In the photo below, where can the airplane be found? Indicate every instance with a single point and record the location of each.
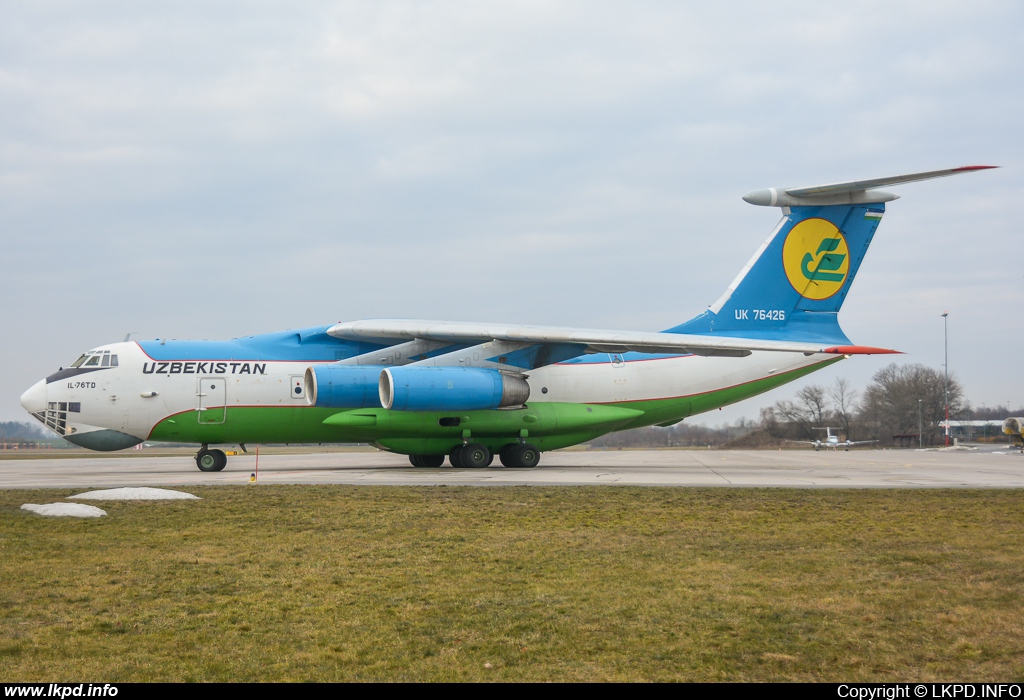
(1014, 427)
(832, 441)
(468, 391)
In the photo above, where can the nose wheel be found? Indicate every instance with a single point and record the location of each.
(211, 460)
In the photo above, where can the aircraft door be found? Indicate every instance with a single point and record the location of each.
(212, 400)
(621, 393)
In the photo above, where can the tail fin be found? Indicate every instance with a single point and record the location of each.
(797, 281)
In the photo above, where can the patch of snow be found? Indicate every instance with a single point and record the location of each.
(72, 510)
(136, 493)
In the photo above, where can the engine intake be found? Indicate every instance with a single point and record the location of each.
(450, 389)
(342, 386)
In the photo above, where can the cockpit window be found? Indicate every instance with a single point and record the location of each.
(96, 358)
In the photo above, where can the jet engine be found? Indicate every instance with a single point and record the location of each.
(343, 386)
(450, 389)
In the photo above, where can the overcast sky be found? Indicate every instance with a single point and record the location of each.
(209, 170)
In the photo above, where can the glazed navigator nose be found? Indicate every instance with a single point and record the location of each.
(34, 400)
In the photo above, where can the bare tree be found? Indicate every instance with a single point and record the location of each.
(844, 404)
(800, 417)
(891, 402)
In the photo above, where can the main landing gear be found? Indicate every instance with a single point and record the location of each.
(471, 456)
(519, 455)
(211, 460)
(426, 460)
(476, 456)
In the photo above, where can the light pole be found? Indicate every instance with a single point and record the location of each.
(920, 426)
(945, 365)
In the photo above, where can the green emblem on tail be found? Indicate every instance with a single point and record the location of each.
(827, 265)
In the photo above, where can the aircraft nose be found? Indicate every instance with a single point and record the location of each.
(34, 400)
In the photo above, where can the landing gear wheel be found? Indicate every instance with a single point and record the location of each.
(520, 456)
(453, 456)
(474, 456)
(431, 461)
(211, 460)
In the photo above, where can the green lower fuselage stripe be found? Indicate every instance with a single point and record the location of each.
(547, 425)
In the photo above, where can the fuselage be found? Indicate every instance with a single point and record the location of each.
(252, 390)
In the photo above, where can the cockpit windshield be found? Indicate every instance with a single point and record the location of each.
(96, 358)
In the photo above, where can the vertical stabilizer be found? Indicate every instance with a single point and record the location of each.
(794, 286)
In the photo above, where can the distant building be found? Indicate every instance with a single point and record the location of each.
(973, 429)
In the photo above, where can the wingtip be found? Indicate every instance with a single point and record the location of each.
(966, 168)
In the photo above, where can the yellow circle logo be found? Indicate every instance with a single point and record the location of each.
(816, 258)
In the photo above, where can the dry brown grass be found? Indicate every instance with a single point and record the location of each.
(336, 583)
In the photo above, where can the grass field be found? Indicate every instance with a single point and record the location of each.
(341, 583)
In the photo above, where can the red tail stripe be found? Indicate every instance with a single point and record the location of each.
(860, 350)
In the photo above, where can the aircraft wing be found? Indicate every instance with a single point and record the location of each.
(391, 331)
(858, 442)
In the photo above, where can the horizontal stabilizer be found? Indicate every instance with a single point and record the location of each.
(853, 192)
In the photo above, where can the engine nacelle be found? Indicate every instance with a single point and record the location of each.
(343, 386)
(1014, 426)
(450, 389)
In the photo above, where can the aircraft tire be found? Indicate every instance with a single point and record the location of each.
(211, 460)
(520, 456)
(428, 461)
(453, 457)
(529, 456)
(414, 460)
(475, 456)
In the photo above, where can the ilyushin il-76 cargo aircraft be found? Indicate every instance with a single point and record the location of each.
(469, 391)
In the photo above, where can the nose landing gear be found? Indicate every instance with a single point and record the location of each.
(211, 460)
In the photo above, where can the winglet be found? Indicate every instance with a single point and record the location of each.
(859, 350)
(853, 192)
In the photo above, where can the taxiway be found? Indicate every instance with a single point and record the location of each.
(788, 468)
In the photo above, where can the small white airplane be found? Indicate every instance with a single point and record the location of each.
(468, 391)
(832, 441)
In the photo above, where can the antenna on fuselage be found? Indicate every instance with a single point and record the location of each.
(128, 336)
